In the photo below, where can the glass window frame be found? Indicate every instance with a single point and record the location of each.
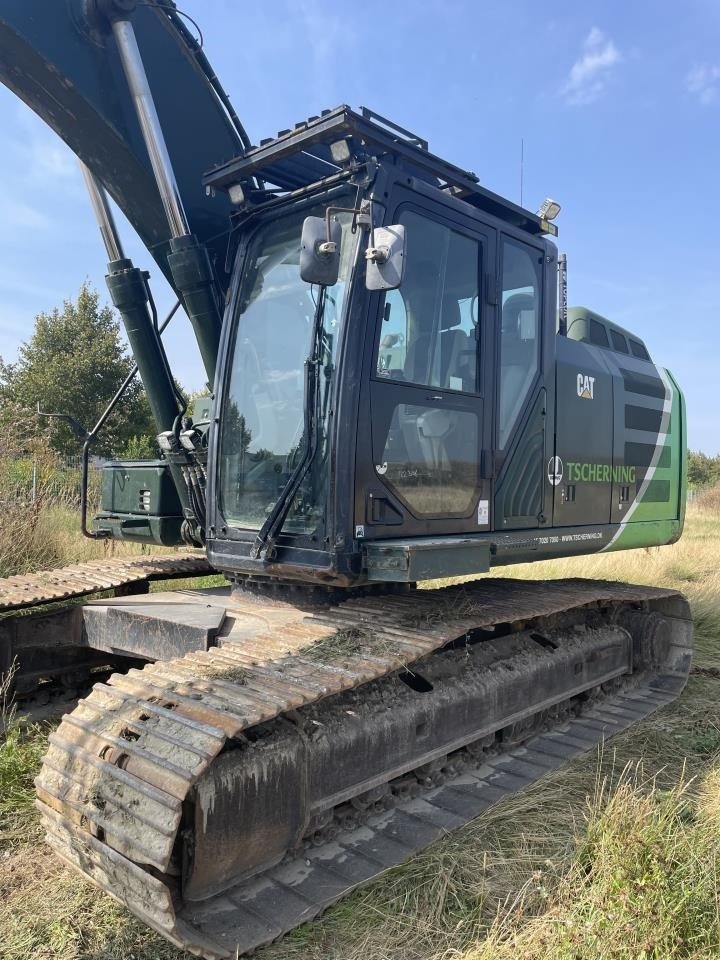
(594, 328)
(638, 350)
(482, 240)
(503, 238)
(398, 491)
(230, 530)
(617, 337)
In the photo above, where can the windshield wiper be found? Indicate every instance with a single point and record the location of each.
(264, 544)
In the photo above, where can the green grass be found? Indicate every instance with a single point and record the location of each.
(615, 856)
(21, 751)
(189, 583)
(641, 883)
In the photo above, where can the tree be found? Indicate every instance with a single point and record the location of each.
(703, 471)
(73, 364)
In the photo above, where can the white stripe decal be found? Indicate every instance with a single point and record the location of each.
(657, 453)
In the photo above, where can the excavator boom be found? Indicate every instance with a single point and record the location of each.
(61, 59)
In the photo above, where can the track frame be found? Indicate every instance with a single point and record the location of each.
(119, 785)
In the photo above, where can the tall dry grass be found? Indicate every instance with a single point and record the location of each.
(46, 534)
(40, 518)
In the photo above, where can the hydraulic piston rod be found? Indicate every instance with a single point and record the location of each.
(134, 69)
(188, 260)
(128, 287)
(103, 215)
(129, 291)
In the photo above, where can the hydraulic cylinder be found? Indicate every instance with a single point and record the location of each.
(128, 289)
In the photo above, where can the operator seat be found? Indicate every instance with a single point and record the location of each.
(457, 369)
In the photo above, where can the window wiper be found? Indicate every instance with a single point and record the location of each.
(264, 544)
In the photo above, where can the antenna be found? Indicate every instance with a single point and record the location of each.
(522, 166)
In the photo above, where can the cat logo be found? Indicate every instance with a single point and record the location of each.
(585, 387)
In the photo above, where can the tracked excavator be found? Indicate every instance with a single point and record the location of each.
(396, 398)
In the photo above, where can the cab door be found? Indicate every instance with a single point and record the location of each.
(427, 420)
(522, 500)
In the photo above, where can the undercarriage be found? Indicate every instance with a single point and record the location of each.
(307, 745)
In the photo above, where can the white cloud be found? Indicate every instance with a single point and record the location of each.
(589, 74)
(703, 80)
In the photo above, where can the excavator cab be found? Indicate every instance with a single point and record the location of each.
(367, 397)
(398, 396)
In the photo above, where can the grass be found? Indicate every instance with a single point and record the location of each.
(634, 887)
(50, 538)
(615, 856)
(345, 643)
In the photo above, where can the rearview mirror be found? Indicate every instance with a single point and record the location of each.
(386, 258)
(320, 254)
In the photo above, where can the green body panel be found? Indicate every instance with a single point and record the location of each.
(646, 533)
(161, 531)
(652, 521)
(140, 503)
(142, 487)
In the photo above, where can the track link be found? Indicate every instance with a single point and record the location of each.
(114, 574)
(122, 788)
(47, 670)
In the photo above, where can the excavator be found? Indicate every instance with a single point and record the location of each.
(399, 395)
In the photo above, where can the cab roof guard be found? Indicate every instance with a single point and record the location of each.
(312, 151)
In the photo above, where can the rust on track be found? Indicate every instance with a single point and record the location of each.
(80, 580)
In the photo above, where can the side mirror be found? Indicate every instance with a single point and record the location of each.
(320, 254)
(386, 258)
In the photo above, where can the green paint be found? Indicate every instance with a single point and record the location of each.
(600, 473)
(656, 523)
(646, 533)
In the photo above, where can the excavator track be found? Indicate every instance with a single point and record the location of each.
(116, 574)
(46, 669)
(231, 794)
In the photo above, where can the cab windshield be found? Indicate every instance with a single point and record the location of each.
(262, 430)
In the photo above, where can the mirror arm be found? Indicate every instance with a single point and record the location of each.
(357, 213)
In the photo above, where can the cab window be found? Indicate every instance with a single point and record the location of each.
(519, 332)
(428, 332)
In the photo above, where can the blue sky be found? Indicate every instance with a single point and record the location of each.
(618, 105)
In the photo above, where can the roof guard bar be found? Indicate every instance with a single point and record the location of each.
(369, 114)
